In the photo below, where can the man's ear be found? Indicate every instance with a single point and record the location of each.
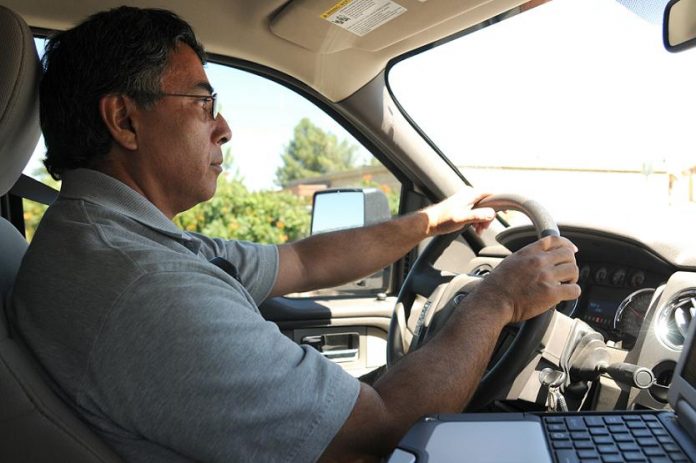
(115, 111)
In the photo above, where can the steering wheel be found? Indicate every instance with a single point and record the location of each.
(436, 294)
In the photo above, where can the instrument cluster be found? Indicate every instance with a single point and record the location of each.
(615, 300)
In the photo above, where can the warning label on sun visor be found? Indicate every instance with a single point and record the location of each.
(362, 16)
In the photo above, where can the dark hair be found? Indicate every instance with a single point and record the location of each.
(120, 51)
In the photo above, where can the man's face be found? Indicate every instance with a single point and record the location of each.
(179, 142)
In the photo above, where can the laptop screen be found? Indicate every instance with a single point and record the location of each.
(689, 371)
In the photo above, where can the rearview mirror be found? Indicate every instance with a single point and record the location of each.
(679, 27)
(336, 209)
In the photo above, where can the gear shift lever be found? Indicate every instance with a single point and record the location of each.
(591, 359)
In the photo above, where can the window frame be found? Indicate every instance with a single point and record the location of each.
(395, 270)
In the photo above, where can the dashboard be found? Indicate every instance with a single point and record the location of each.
(615, 298)
(619, 278)
(638, 293)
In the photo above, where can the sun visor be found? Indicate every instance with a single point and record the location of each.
(330, 26)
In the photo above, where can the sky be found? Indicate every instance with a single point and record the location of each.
(572, 83)
(262, 115)
(579, 83)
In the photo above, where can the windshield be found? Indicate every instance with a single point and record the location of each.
(574, 102)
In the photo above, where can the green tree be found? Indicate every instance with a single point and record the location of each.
(313, 152)
(33, 211)
(233, 213)
(237, 213)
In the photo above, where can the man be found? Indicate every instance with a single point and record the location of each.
(164, 353)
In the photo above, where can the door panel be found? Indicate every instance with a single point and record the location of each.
(349, 331)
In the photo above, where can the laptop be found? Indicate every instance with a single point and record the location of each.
(601, 437)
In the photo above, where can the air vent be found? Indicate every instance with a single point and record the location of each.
(481, 271)
(675, 318)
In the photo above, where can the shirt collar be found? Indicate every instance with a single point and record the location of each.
(102, 189)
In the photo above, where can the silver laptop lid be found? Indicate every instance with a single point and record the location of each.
(682, 392)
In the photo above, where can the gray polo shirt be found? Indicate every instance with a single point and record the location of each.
(162, 352)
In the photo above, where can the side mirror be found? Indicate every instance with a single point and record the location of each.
(340, 208)
(679, 27)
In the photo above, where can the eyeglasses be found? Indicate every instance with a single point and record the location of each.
(212, 99)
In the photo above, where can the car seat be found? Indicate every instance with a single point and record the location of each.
(35, 425)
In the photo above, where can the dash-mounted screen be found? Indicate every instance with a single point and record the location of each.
(689, 371)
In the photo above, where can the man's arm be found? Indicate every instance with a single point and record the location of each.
(335, 258)
(441, 376)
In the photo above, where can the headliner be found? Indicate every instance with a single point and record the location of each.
(290, 36)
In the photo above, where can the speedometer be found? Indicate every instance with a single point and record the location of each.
(630, 315)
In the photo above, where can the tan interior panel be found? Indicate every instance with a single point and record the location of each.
(320, 35)
(347, 62)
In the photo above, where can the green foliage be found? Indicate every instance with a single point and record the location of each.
(33, 211)
(264, 216)
(313, 152)
(234, 212)
(237, 213)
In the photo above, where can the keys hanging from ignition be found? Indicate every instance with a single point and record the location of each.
(553, 380)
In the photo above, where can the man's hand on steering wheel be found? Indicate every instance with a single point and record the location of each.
(442, 375)
(457, 211)
(523, 287)
(534, 279)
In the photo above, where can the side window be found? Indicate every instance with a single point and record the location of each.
(283, 149)
(33, 211)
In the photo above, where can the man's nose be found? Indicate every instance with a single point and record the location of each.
(222, 133)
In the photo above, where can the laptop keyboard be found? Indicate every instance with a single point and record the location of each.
(611, 439)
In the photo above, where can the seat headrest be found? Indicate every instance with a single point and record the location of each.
(20, 72)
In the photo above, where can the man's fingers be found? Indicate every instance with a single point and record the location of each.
(479, 196)
(567, 272)
(481, 214)
(560, 255)
(568, 292)
(552, 242)
(457, 211)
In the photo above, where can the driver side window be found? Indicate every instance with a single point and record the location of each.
(283, 149)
